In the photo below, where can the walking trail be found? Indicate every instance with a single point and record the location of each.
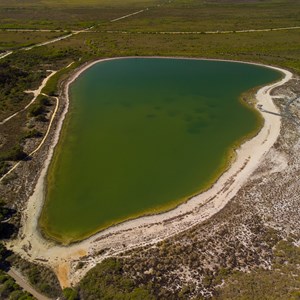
(207, 32)
(22, 282)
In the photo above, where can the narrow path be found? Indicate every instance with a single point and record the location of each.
(127, 16)
(206, 32)
(47, 42)
(49, 127)
(254, 30)
(51, 41)
(41, 143)
(22, 282)
(36, 93)
(5, 54)
(286, 112)
(272, 113)
(33, 30)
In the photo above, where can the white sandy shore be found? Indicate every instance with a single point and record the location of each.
(148, 229)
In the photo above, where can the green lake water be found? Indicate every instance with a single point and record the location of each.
(143, 135)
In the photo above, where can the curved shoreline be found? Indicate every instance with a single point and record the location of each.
(153, 228)
(227, 160)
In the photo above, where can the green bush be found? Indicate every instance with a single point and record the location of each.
(70, 294)
(43, 100)
(41, 118)
(4, 167)
(15, 154)
(31, 134)
(9, 289)
(36, 110)
(20, 295)
(108, 281)
(41, 278)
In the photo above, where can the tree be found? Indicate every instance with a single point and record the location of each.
(70, 294)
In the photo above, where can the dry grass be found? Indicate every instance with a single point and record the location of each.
(10, 40)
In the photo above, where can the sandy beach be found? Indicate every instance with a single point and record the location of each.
(149, 229)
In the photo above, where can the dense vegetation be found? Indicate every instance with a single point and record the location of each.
(43, 279)
(108, 281)
(8, 287)
(24, 70)
(15, 154)
(13, 82)
(10, 290)
(7, 229)
(40, 277)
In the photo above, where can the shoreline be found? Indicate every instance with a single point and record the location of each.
(153, 228)
(227, 161)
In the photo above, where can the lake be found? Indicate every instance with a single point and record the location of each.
(143, 135)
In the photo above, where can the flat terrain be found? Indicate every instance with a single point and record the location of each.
(160, 15)
(210, 16)
(257, 230)
(11, 40)
(65, 14)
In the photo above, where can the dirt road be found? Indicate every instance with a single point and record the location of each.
(21, 281)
